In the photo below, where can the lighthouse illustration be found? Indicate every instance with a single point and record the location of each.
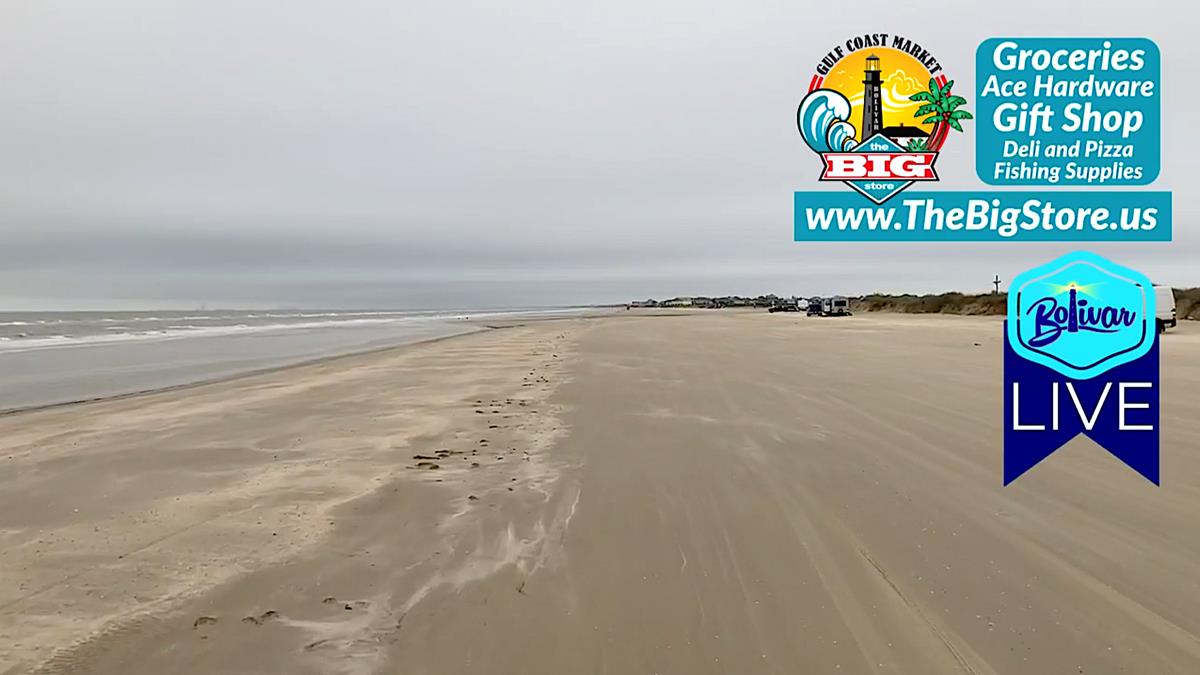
(872, 109)
(1072, 317)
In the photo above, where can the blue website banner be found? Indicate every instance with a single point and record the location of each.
(1068, 111)
(1073, 216)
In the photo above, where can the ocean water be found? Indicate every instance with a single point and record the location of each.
(57, 357)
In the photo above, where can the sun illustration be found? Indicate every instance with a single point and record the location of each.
(1081, 289)
(902, 76)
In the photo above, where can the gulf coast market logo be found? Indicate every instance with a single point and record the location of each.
(878, 111)
(1081, 356)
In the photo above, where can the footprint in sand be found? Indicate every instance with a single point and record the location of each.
(261, 618)
(204, 621)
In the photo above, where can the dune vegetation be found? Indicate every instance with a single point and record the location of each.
(1187, 303)
(941, 303)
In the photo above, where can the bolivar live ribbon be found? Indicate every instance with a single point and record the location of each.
(1081, 356)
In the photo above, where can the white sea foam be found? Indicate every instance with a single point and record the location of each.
(236, 325)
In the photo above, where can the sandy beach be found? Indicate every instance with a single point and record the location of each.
(719, 492)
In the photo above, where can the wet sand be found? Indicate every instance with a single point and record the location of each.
(709, 493)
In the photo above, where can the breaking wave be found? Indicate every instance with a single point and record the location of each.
(86, 330)
(822, 120)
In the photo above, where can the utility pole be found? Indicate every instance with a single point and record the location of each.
(996, 283)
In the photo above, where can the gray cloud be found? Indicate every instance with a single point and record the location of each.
(360, 153)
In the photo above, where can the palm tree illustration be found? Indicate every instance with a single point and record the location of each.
(942, 108)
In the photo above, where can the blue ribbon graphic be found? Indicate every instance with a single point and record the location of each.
(1136, 445)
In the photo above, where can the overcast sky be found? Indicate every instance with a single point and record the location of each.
(156, 153)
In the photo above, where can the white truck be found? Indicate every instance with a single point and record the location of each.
(835, 306)
(1164, 303)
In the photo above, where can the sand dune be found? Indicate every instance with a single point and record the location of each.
(708, 493)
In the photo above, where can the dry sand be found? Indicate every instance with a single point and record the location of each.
(710, 493)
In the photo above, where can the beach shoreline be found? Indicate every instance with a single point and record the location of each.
(183, 386)
(231, 492)
(104, 357)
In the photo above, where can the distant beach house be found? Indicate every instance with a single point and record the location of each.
(677, 302)
(903, 134)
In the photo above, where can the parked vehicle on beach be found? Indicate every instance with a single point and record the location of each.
(835, 306)
(785, 306)
(1164, 303)
(814, 307)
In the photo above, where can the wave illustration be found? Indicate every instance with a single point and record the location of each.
(822, 120)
